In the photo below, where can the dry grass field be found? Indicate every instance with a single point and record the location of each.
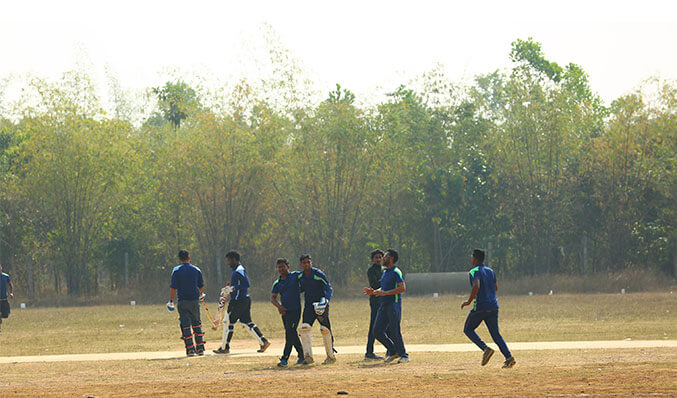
(624, 372)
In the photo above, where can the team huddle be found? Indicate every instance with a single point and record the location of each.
(386, 285)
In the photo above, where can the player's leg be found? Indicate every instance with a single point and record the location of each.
(294, 317)
(305, 328)
(4, 310)
(491, 320)
(471, 323)
(380, 327)
(186, 328)
(227, 333)
(196, 323)
(395, 332)
(254, 330)
(373, 306)
(327, 336)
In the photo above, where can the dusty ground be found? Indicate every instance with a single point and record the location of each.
(636, 372)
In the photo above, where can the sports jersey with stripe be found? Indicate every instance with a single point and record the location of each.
(314, 286)
(486, 297)
(240, 283)
(389, 280)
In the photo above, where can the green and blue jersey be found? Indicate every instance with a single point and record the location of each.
(314, 286)
(389, 280)
(486, 299)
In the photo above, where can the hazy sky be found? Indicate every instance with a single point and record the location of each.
(361, 44)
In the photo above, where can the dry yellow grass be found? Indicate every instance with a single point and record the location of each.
(425, 320)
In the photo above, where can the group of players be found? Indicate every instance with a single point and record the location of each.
(386, 285)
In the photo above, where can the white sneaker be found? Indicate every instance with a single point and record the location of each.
(403, 360)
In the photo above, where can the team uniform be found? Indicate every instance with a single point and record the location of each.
(239, 309)
(5, 280)
(187, 280)
(289, 291)
(374, 274)
(485, 308)
(387, 323)
(316, 291)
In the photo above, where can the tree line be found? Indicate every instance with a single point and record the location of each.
(527, 162)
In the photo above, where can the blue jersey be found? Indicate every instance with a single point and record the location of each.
(314, 286)
(187, 280)
(486, 297)
(240, 283)
(389, 280)
(4, 281)
(289, 291)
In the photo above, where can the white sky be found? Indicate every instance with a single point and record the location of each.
(364, 45)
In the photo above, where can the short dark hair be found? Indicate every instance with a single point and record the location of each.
(478, 254)
(183, 255)
(282, 260)
(305, 256)
(394, 254)
(233, 254)
(375, 252)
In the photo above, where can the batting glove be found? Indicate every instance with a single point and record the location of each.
(170, 305)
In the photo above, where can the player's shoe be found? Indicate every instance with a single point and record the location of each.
(509, 363)
(307, 360)
(329, 361)
(372, 357)
(391, 358)
(283, 363)
(200, 351)
(220, 350)
(403, 360)
(264, 346)
(488, 352)
(300, 361)
(190, 352)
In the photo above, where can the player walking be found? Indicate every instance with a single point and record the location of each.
(239, 307)
(317, 292)
(5, 283)
(187, 282)
(374, 276)
(289, 306)
(485, 308)
(387, 323)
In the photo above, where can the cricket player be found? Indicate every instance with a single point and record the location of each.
(374, 277)
(387, 323)
(5, 283)
(239, 307)
(485, 308)
(289, 306)
(187, 282)
(317, 292)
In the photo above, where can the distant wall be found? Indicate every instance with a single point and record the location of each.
(437, 282)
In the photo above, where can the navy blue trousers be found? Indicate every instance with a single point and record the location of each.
(387, 329)
(490, 319)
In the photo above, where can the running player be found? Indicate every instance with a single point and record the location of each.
(289, 306)
(187, 282)
(239, 307)
(485, 308)
(317, 292)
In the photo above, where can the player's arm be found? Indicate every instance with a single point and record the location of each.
(172, 292)
(401, 288)
(473, 293)
(276, 303)
(11, 289)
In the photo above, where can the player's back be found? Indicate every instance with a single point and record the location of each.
(486, 299)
